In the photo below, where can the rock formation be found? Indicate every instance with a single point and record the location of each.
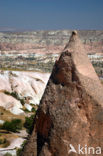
(28, 86)
(70, 113)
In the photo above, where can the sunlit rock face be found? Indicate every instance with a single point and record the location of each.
(71, 109)
(21, 88)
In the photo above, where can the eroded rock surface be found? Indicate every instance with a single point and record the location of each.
(71, 109)
(21, 89)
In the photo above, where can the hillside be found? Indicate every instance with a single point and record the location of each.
(49, 41)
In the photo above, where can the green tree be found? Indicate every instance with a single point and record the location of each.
(29, 123)
(13, 125)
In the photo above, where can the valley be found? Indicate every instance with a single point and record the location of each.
(26, 62)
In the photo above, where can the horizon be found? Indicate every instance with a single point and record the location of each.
(36, 15)
(12, 30)
(9, 30)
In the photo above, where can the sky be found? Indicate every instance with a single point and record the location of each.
(51, 14)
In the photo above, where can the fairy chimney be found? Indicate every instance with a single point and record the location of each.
(70, 113)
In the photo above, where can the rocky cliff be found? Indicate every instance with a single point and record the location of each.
(71, 110)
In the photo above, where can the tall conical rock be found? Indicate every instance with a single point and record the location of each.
(71, 109)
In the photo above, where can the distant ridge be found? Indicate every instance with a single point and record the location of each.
(54, 41)
(7, 29)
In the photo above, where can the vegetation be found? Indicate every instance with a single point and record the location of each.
(13, 125)
(19, 151)
(2, 140)
(45, 67)
(29, 123)
(15, 95)
(26, 110)
(98, 66)
(8, 154)
(33, 109)
(28, 63)
(6, 115)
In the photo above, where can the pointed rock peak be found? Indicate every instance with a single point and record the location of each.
(74, 43)
(74, 37)
(80, 58)
(74, 32)
(72, 103)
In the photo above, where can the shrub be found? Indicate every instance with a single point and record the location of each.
(7, 154)
(3, 140)
(15, 95)
(26, 110)
(33, 109)
(19, 150)
(29, 123)
(22, 101)
(13, 126)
